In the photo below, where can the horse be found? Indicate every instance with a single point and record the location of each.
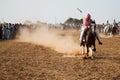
(115, 30)
(89, 42)
(107, 29)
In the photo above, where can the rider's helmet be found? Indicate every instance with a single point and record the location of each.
(88, 16)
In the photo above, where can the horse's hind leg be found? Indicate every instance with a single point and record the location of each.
(90, 52)
(82, 48)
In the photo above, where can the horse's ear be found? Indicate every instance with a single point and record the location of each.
(93, 21)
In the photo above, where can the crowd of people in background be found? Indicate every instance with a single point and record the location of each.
(109, 29)
(8, 30)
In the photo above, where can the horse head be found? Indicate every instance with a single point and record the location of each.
(93, 26)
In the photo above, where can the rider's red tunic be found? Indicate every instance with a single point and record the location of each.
(86, 23)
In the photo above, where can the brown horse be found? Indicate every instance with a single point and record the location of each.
(115, 29)
(89, 41)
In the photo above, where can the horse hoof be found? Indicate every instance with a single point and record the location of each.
(94, 50)
(85, 57)
(92, 57)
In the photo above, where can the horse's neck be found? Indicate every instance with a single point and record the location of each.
(93, 27)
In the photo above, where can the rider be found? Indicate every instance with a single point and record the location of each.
(86, 25)
(107, 23)
(115, 24)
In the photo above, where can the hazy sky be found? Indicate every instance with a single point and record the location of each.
(52, 11)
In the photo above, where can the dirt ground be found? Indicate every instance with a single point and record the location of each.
(26, 61)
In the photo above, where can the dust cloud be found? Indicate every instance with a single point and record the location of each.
(44, 36)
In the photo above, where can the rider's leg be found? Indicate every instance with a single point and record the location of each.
(98, 38)
(82, 34)
(81, 37)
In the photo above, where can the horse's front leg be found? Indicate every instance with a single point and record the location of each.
(87, 50)
(94, 47)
